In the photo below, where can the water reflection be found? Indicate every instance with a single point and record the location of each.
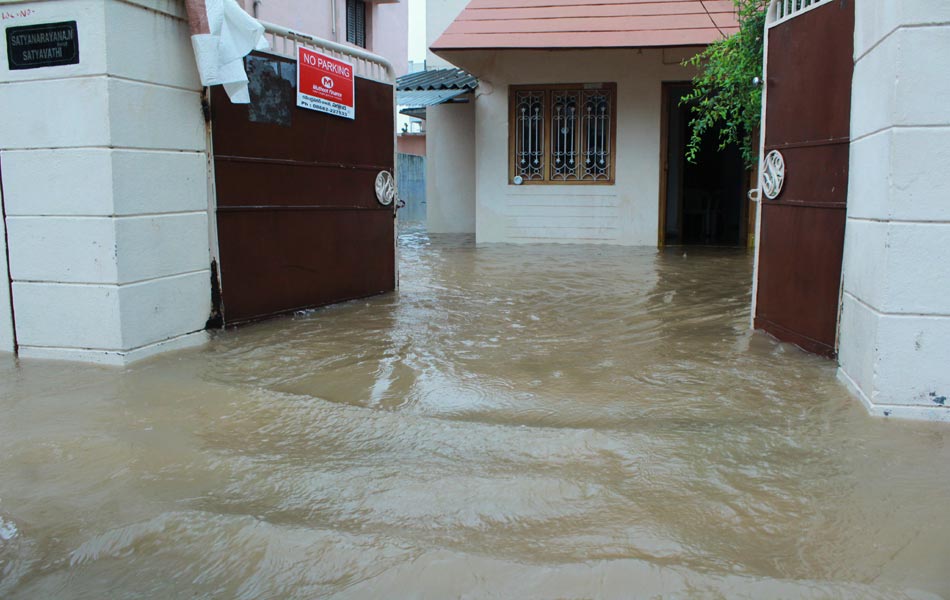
(514, 422)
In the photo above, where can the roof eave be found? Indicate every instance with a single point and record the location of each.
(439, 51)
(441, 46)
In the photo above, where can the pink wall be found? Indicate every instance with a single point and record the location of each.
(387, 23)
(390, 31)
(411, 143)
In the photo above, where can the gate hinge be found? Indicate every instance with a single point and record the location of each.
(205, 105)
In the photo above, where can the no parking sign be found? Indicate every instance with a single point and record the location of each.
(325, 84)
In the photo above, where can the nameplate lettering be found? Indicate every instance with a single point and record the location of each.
(46, 45)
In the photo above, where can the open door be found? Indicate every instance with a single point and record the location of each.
(807, 124)
(703, 203)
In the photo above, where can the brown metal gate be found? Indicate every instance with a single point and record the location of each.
(298, 222)
(808, 116)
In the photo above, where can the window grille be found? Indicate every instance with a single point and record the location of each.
(564, 121)
(356, 22)
(597, 111)
(562, 133)
(529, 139)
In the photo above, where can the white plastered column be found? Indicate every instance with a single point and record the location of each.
(450, 173)
(104, 167)
(894, 339)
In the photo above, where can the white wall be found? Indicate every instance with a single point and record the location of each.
(105, 185)
(450, 141)
(624, 213)
(895, 322)
(450, 172)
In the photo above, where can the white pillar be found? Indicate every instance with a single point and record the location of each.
(104, 167)
(895, 321)
(450, 168)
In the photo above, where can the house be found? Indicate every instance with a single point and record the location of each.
(380, 26)
(575, 133)
(576, 127)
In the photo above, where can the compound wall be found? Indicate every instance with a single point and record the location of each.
(105, 187)
(894, 346)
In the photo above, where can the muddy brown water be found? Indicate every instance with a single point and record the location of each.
(515, 422)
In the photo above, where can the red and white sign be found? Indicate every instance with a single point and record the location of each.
(325, 84)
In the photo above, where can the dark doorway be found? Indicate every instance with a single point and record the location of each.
(705, 203)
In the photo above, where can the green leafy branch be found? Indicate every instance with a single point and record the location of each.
(724, 98)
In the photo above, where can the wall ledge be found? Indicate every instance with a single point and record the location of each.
(117, 358)
(912, 412)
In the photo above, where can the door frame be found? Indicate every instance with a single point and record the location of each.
(749, 179)
(665, 158)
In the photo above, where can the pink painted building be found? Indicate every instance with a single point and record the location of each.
(380, 26)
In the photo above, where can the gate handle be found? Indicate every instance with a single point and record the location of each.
(385, 188)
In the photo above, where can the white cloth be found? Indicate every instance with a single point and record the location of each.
(220, 53)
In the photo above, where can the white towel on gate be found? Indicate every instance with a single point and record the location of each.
(232, 34)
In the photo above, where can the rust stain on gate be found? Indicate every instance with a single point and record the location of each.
(808, 116)
(298, 222)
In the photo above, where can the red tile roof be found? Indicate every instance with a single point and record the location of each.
(486, 24)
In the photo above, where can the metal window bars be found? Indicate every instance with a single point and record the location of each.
(562, 133)
(596, 136)
(529, 136)
(564, 138)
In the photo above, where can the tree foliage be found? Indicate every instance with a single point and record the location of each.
(724, 98)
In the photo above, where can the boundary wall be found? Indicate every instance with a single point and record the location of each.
(894, 330)
(104, 169)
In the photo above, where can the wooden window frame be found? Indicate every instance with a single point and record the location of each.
(549, 90)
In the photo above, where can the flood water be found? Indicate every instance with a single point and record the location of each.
(515, 422)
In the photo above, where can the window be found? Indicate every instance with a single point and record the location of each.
(562, 133)
(356, 22)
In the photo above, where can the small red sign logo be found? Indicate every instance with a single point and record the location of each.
(325, 84)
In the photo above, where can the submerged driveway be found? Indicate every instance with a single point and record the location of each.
(515, 422)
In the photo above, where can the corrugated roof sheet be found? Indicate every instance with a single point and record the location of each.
(421, 99)
(485, 24)
(437, 79)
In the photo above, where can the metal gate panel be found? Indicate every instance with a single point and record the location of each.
(298, 222)
(807, 119)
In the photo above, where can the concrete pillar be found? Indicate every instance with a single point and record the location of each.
(450, 168)
(104, 167)
(895, 322)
